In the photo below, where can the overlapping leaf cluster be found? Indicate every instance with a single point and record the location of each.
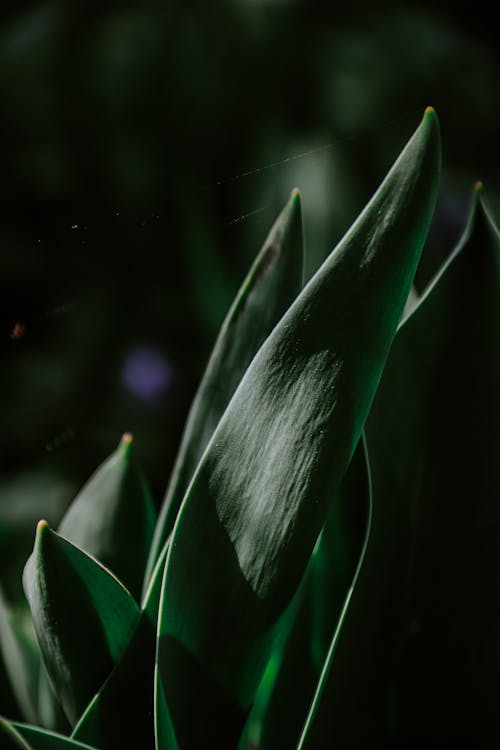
(321, 572)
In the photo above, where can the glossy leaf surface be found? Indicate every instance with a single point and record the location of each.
(329, 579)
(83, 616)
(270, 287)
(260, 496)
(113, 517)
(418, 657)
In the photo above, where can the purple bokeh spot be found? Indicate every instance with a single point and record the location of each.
(146, 373)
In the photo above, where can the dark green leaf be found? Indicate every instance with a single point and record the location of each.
(113, 517)
(43, 739)
(83, 616)
(10, 739)
(418, 658)
(260, 495)
(22, 660)
(326, 587)
(27, 674)
(129, 688)
(270, 287)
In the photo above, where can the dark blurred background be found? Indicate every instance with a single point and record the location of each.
(146, 150)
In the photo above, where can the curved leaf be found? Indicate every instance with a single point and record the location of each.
(83, 616)
(10, 739)
(328, 580)
(418, 658)
(363, 487)
(129, 688)
(113, 517)
(271, 285)
(43, 739)
(253, 512)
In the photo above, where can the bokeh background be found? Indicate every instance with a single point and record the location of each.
(147, 148)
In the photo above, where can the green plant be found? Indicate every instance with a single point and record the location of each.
(322, 571)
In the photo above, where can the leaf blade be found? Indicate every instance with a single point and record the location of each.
(272, 283)
(426, 601)
(83, 617)
(10, 739)
(43, 739)
(114, 514)
(129, 688)
(330, 577)
(255, 542)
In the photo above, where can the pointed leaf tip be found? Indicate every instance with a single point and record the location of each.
(41, 526)
(479, 186)
(83, 616)
(126, 444)
(430, 123)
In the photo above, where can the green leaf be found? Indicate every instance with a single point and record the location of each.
(260, 495)
(328, 580)
(271, 285)
(113, 517)
(83, 616)
(25, 667)
(359, 488)
(418, 658)
(22, 660)
(129, 688)
(128, 692)
(43, 739)
(10, 739)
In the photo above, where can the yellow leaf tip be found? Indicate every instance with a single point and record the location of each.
(127, 438)
(41, 526)
(429, 111)
(479, 186)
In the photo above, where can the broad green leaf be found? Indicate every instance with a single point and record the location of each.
(10, 739)
(260, 495)
(328, 580)
(84, 618)
(113, 517)
(271, 285)
(22, 660)
(269, 686)
(418, 657)
(43, 739)
(129, 688)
